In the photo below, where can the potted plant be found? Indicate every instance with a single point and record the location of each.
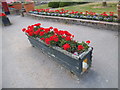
(17, 5)
(29, 6)
(5, 19)
(59, 44)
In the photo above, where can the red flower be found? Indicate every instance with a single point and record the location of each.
(57, 11)
(46, 30)
(104, 12)
(67, 33)
(30, 30)
(68, 38)
(80, 47)
(30, 33)
(61, 32)
(2, 14)
(105, 15)
(42, 38)
(66, 11)
(56, 39)
(111, 14)
(38, 24)
(62, 9)
(27, 31)
(47, 41)
(51, 27)
(76, 12)
(66, 46)
(37, 32)
(30, 27)
(88, 42)
(61, 12)
(23, 29)
(41, 28)
(81, 12)
(72, 35)
(55, 30)
(63, 36)
(42, 33)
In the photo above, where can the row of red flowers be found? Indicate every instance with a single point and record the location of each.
(61, 11)
(53, 36)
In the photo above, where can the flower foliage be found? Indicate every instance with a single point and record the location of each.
(54, 37)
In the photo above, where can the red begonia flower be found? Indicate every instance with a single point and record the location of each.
(88, 41)
(42, 38)
(51, 27)
(80, 47)
(68, 38)
(42, 33)
(23, 29)
(47, 41)
(30, 33)
(66, 46)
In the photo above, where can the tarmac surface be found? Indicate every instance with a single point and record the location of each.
(24, 66)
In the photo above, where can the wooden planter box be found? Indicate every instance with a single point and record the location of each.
(74, 63)
(29, 6)
(18, 6)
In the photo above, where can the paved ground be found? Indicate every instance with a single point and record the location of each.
(26, 67)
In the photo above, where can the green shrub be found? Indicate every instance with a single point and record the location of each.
(62, 4)
(82, 2)
(53, 4)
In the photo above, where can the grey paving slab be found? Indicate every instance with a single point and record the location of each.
(27, 67)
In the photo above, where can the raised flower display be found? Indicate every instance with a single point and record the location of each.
(75, 14)
(61, 45)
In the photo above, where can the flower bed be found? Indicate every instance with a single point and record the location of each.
(75, 14)
(60, 45)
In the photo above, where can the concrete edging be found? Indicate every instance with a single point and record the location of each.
(91, 23)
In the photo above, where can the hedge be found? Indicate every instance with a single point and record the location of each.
(53, 4)
(62, 4)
